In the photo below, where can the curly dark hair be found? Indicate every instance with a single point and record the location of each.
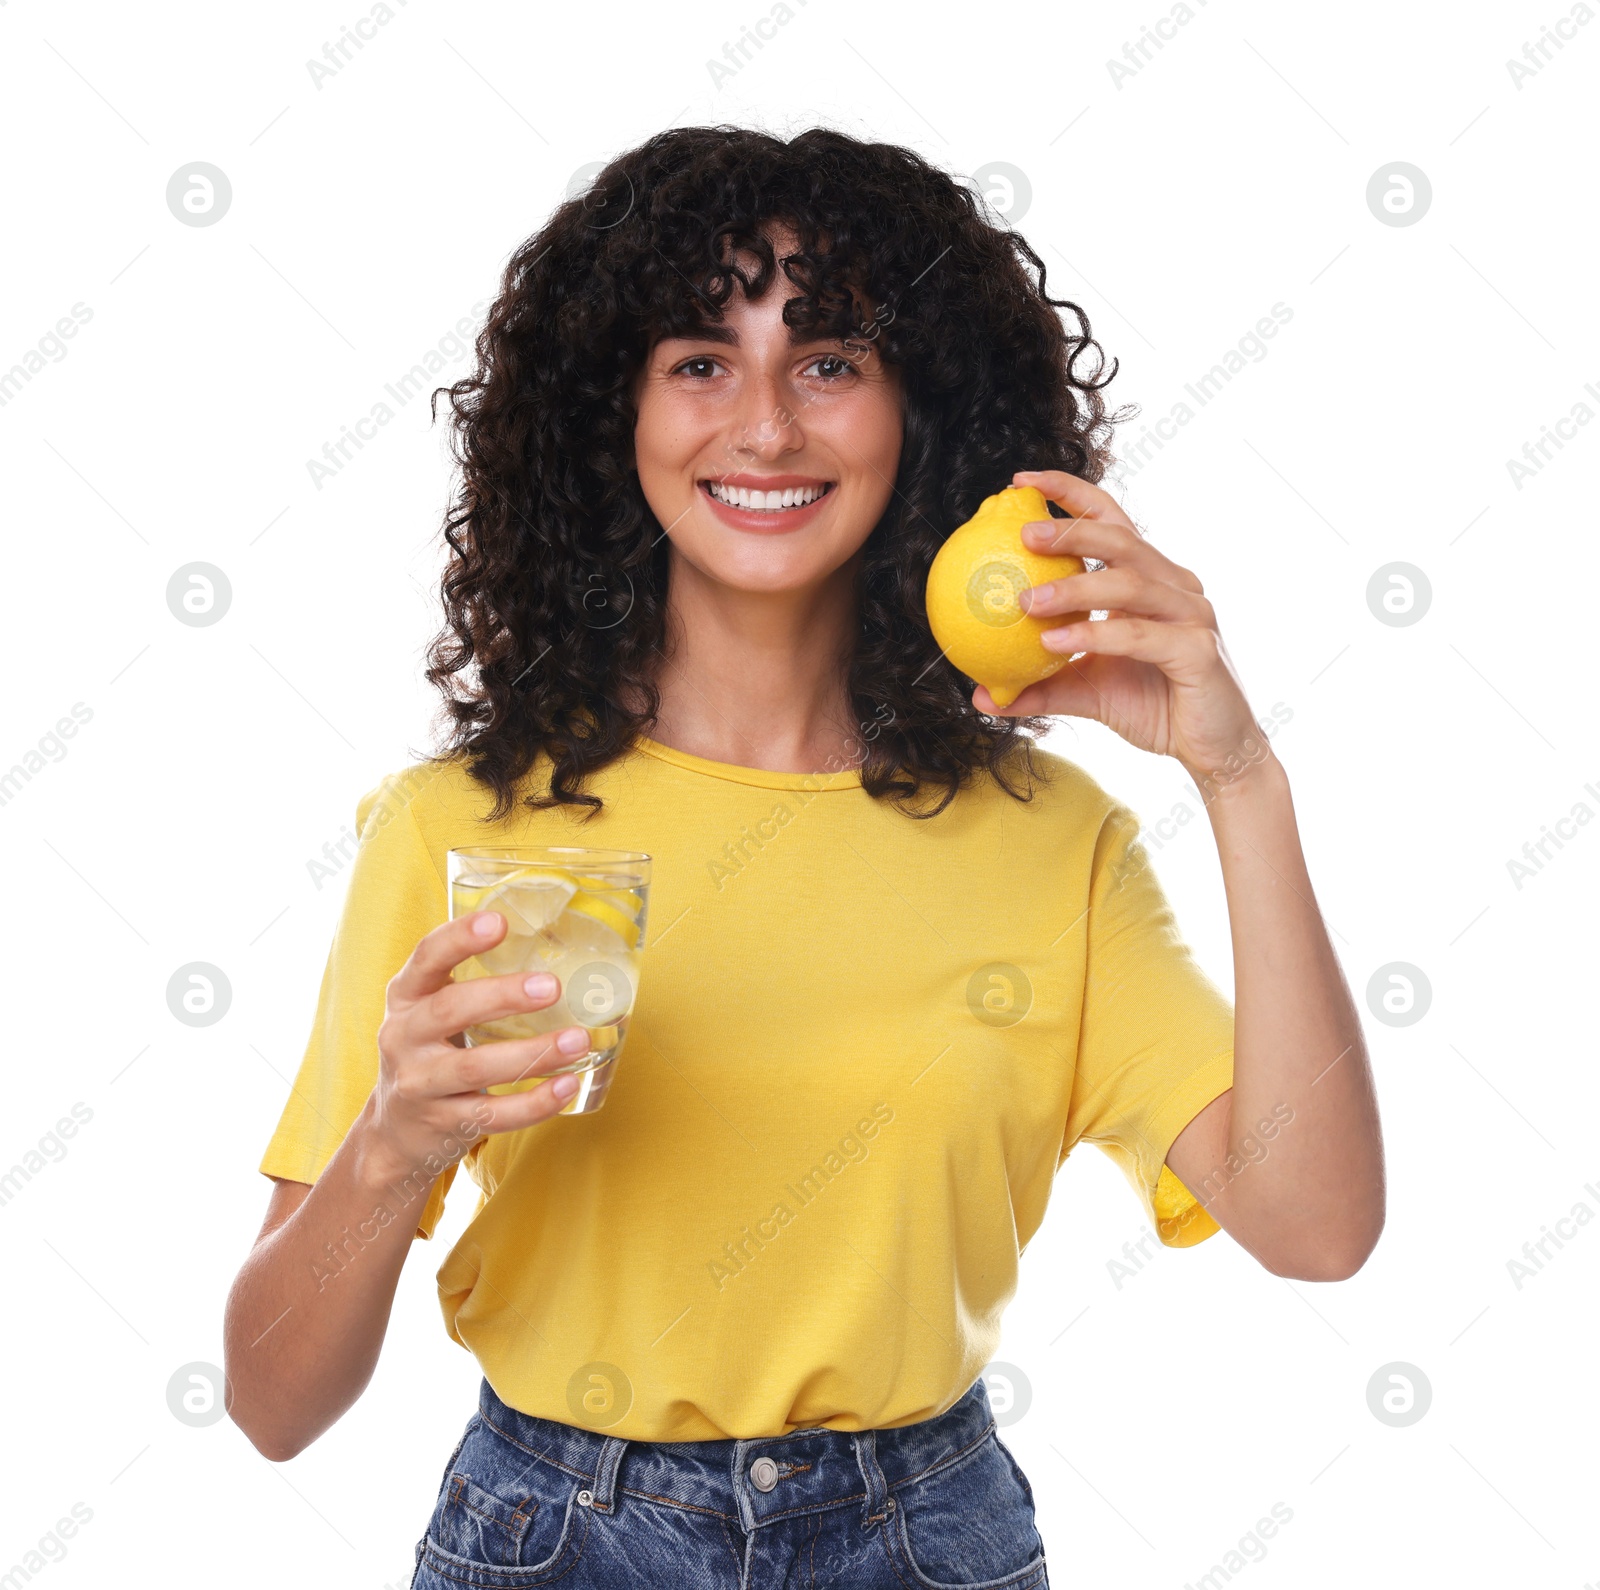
(555, 589)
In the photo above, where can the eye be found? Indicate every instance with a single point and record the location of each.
(704, 360)
(842, 366)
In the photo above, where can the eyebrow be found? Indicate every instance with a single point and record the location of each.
(719, 331)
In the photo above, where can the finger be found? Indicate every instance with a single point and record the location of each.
(445, 1071)
(1122, 589)
(1098, 528)
(1173, 648)
(438, 953)
(1081, 499)
(1106, 543)
(475, 1000)
(510, 1112)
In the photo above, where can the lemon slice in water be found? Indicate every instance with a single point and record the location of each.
(628, 901)
(530, 900)
(602, 910)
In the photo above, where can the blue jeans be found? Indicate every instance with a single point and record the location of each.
(529, 1501)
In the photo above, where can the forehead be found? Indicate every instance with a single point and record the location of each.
(742, 316)
(832, 319)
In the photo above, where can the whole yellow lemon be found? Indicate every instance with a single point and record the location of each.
(972, 591)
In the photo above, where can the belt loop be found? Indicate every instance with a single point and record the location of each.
(605, 1472)
(877, 1506)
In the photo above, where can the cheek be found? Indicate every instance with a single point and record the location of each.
(668, 421)
(872, 439)
(662, 432)
(878, 424)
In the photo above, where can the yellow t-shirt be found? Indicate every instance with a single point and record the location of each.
(862, 1046)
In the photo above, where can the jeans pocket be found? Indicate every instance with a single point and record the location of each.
(969, 1525)
(504, 1518)
(480, 1525)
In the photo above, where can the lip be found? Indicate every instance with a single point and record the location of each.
(768, 521)
(771, 482)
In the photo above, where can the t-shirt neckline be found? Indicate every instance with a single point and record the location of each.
(763, 778)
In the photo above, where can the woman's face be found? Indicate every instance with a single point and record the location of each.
(742, 409)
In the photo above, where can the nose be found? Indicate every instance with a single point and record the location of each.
(768, 419)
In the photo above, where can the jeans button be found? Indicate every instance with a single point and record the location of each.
(763, 1474)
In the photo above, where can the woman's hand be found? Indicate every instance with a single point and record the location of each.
(428, 1102)
(307, 1315)
(1157, 671)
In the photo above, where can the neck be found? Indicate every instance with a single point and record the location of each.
(756, 678)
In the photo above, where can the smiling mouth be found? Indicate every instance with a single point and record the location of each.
(775, 502)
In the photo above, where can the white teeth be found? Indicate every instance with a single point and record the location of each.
(765, 501)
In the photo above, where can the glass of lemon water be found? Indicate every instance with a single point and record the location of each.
(576, 912)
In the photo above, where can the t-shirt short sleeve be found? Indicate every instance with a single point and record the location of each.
(394, 896)
(1156, 1036)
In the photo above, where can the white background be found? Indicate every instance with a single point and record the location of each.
(1226, 175)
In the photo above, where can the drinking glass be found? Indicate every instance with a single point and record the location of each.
(577, 912)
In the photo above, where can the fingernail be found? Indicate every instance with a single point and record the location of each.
(540, 986)
(485, 922)
(1025, 599)
(564, 1087)
(575, 1040)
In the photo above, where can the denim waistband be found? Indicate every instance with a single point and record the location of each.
(756, 1480)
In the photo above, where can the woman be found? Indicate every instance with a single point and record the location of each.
(732, 1326)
